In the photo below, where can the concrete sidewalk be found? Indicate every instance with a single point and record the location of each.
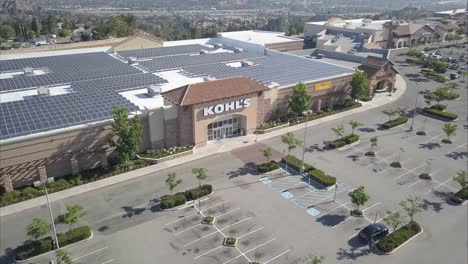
(212, 148)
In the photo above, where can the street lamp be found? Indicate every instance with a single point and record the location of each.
(50, 214)
(306, 113)
(415, 107)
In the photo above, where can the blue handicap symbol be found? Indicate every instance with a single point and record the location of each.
(313, 212)
(287, 195)
(265, 180)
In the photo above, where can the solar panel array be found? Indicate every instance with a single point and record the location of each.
(95, 80)
(163, 51)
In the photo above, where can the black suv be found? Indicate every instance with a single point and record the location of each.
(373, 231)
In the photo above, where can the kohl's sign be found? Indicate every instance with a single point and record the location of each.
(226, 107)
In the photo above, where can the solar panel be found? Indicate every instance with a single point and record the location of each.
(163, 51)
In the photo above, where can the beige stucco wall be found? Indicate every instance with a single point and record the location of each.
(201, 122)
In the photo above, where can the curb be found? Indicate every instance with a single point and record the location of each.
(404, 243)
(48, 252)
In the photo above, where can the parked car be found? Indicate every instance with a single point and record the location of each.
(373, 231)
(453, 66)
(454, 76)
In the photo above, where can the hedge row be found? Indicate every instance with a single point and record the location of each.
(439, 107)
(414, 61)
(346, 140)
(295, 163)
(460, 196)
(182, 197)
(394, 123)
(320, 177)
(266, 167)
(395, 239)
(44, 245)
(440, 114)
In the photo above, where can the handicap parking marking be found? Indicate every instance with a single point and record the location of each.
(313, 212)
(287, 195)
(265, 180)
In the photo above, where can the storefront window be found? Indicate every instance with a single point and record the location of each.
(225, 128)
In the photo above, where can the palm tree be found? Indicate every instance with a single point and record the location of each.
(339, 131)
(450, 130)
(354, 124)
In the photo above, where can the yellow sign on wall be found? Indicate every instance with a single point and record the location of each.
(323, 86)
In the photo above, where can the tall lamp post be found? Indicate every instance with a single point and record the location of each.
(415, 107)
(44, 183)
(306, 113)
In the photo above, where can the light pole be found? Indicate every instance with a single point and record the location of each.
(51, 215)
(306, 113)
(415, 107)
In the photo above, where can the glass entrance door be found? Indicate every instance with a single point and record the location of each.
(225, 128)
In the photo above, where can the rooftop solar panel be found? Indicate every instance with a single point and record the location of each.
(163, 51)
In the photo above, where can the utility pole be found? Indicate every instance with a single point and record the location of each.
(51, 215)
(306, 113)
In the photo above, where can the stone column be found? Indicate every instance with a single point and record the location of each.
(6, 182)
(75, 169)
(42, 173)
(319, 104)
(104, 161)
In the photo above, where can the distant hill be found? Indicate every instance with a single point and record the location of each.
(19, 5)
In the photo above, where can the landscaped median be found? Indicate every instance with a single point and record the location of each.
(315, 174)
(165, 154)
(267, 167)
(395, 122)
(182, 198)
(346, 140)
(434, 112)
(460, 196)
(44, 245)
(394, 240)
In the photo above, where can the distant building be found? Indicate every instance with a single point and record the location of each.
(381, 74)
(269, 39)
(405, 35)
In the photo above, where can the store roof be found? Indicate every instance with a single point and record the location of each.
(259, 37)
(213, 90)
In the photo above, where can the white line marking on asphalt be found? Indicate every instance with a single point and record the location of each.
(182, 218)
(109, 261)
(251, 232)
(409, 171)
(180, 232)
(232, 211)
(238, 222)
(340, 205)
(294, 186)
(456, 148)
(207, 252)
(277, 256)
(346, 219)
(381, 160)
(440, 184)
(90, 253)
(414, 183)
(378, 220)
(371, 207)
(432, 138)
(243, 253)
(355, 234)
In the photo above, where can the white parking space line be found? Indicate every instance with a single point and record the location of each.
(243, 253)
(185, 230)
(182, 218)
(414, 183)
(238, 222)
(88, 254)
(441, 184)
(251, 232)
(346, 219)
(382, 160)
(409, 171)
(109, 261)
(461, 146)
(285, 252)
(432, 138)
(370, 207)
(232, 211)
(199, 256)
(340, 205)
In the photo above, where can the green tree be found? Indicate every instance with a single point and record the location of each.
(374, 142)
(267, 154)
(71, 217)
(67, 24)
(39, 227)
(339, 131)
(359, 84)
(127, 133)
(172, 181)
(394, 219)
(401, 112)
(354, 124)
(51, 22)
(35, 26)
(461, 178)
(412, 206)
(300, 99)
(390, 114)
(62, 257)
(200, 174)
(118, 26)
(450, 130)
(313, 260)
(359, 197)
(7, 31)
(291, 141)
(292, 31)
(64, 33)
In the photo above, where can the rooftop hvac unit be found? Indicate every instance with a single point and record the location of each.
(132, 60)
(154, 90)
(208, 78)
(28, 71)
(43, 91)
(218, 46)
(238, 50)
(246, 63)
(203, 52)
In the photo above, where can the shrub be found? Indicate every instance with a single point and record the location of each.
(440, 114)
(439, 107)
(231, 241)
(394, 123)
(30, 192)
(34, 248)
(365, 98)
(323, 179)
(414, 61)
(164, 152)
(346, 140)
(356, 212)
(351, 138)
(74, 235)
(295, 163)
(173, 200)
(431, 74)
(425, 176)
(59, 185)
(395, 164)
(272, 124)
(395, 239)
(266, 167)
(198, 192)
(460, 196)
(10, 197)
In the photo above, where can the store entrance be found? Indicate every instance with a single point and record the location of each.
(229, 127)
